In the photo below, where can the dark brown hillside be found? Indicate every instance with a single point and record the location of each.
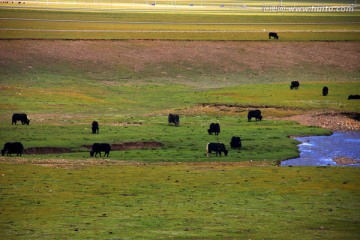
(196, 56)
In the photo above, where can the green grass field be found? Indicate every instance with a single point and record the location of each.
(130, 86)
(179, 202)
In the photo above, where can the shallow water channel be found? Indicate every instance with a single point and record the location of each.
(322, 150)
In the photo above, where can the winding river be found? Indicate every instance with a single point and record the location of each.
(323, 150)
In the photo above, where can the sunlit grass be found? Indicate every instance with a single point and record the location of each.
(176, 24)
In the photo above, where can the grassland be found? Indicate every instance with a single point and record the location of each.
(172, 192)
(179, 202)
(129, 86)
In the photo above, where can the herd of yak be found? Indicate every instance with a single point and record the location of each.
(214, 128)
(96, 149)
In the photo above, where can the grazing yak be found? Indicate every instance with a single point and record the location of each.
(294, 85)
(353, 97)
(325, 91)
(217, 148)
(273, 35)
(95, 127)
(214, 128)
(174, 118)
(254, 114)
(97, 148)
(235, 142)
(12, 147)
(22, 117)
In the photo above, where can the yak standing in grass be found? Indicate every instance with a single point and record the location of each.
(95, 127)
(325, 91)
(12, 147)
(294, 85)
(22, 117)
(174, 118)
(352, 97)
(214, 128)
(273, 35)
(97, 148)
(217, 148)
(254, 114)
(235, 142)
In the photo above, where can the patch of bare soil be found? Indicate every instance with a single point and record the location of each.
(135, 145)
(335, 121)
(346, 161)
(329, 120)
(125, 124)
(228, 109)
(222, 55)
(70, 163)
(66, 163)
(46, 150)
(114, 147)
(132, 145)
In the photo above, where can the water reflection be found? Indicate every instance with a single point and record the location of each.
(322, 150)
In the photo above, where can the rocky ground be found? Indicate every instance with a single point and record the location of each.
(345, 161)
(329, 120)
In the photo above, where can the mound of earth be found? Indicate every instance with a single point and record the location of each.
(47, 150)
(346, 161)
(135, 145)
(72, 163)
(132, 145)
(329, 120)
(114, 147)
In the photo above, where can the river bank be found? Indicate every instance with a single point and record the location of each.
(335, 121)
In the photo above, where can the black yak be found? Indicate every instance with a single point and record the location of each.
(254, 114)
(294, 85)
(97, 148)
(12, 147)
(22, 117)
(353, 97)
(95, 127)
(273, 35)
(325, 91)
(235, 142)
(217, 148)
(214, 128)
(174, 118)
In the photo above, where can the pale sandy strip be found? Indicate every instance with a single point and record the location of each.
(173, 31)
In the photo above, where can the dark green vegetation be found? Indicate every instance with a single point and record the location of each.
(179, 202)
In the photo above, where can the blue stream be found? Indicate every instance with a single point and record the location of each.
(322, 150)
